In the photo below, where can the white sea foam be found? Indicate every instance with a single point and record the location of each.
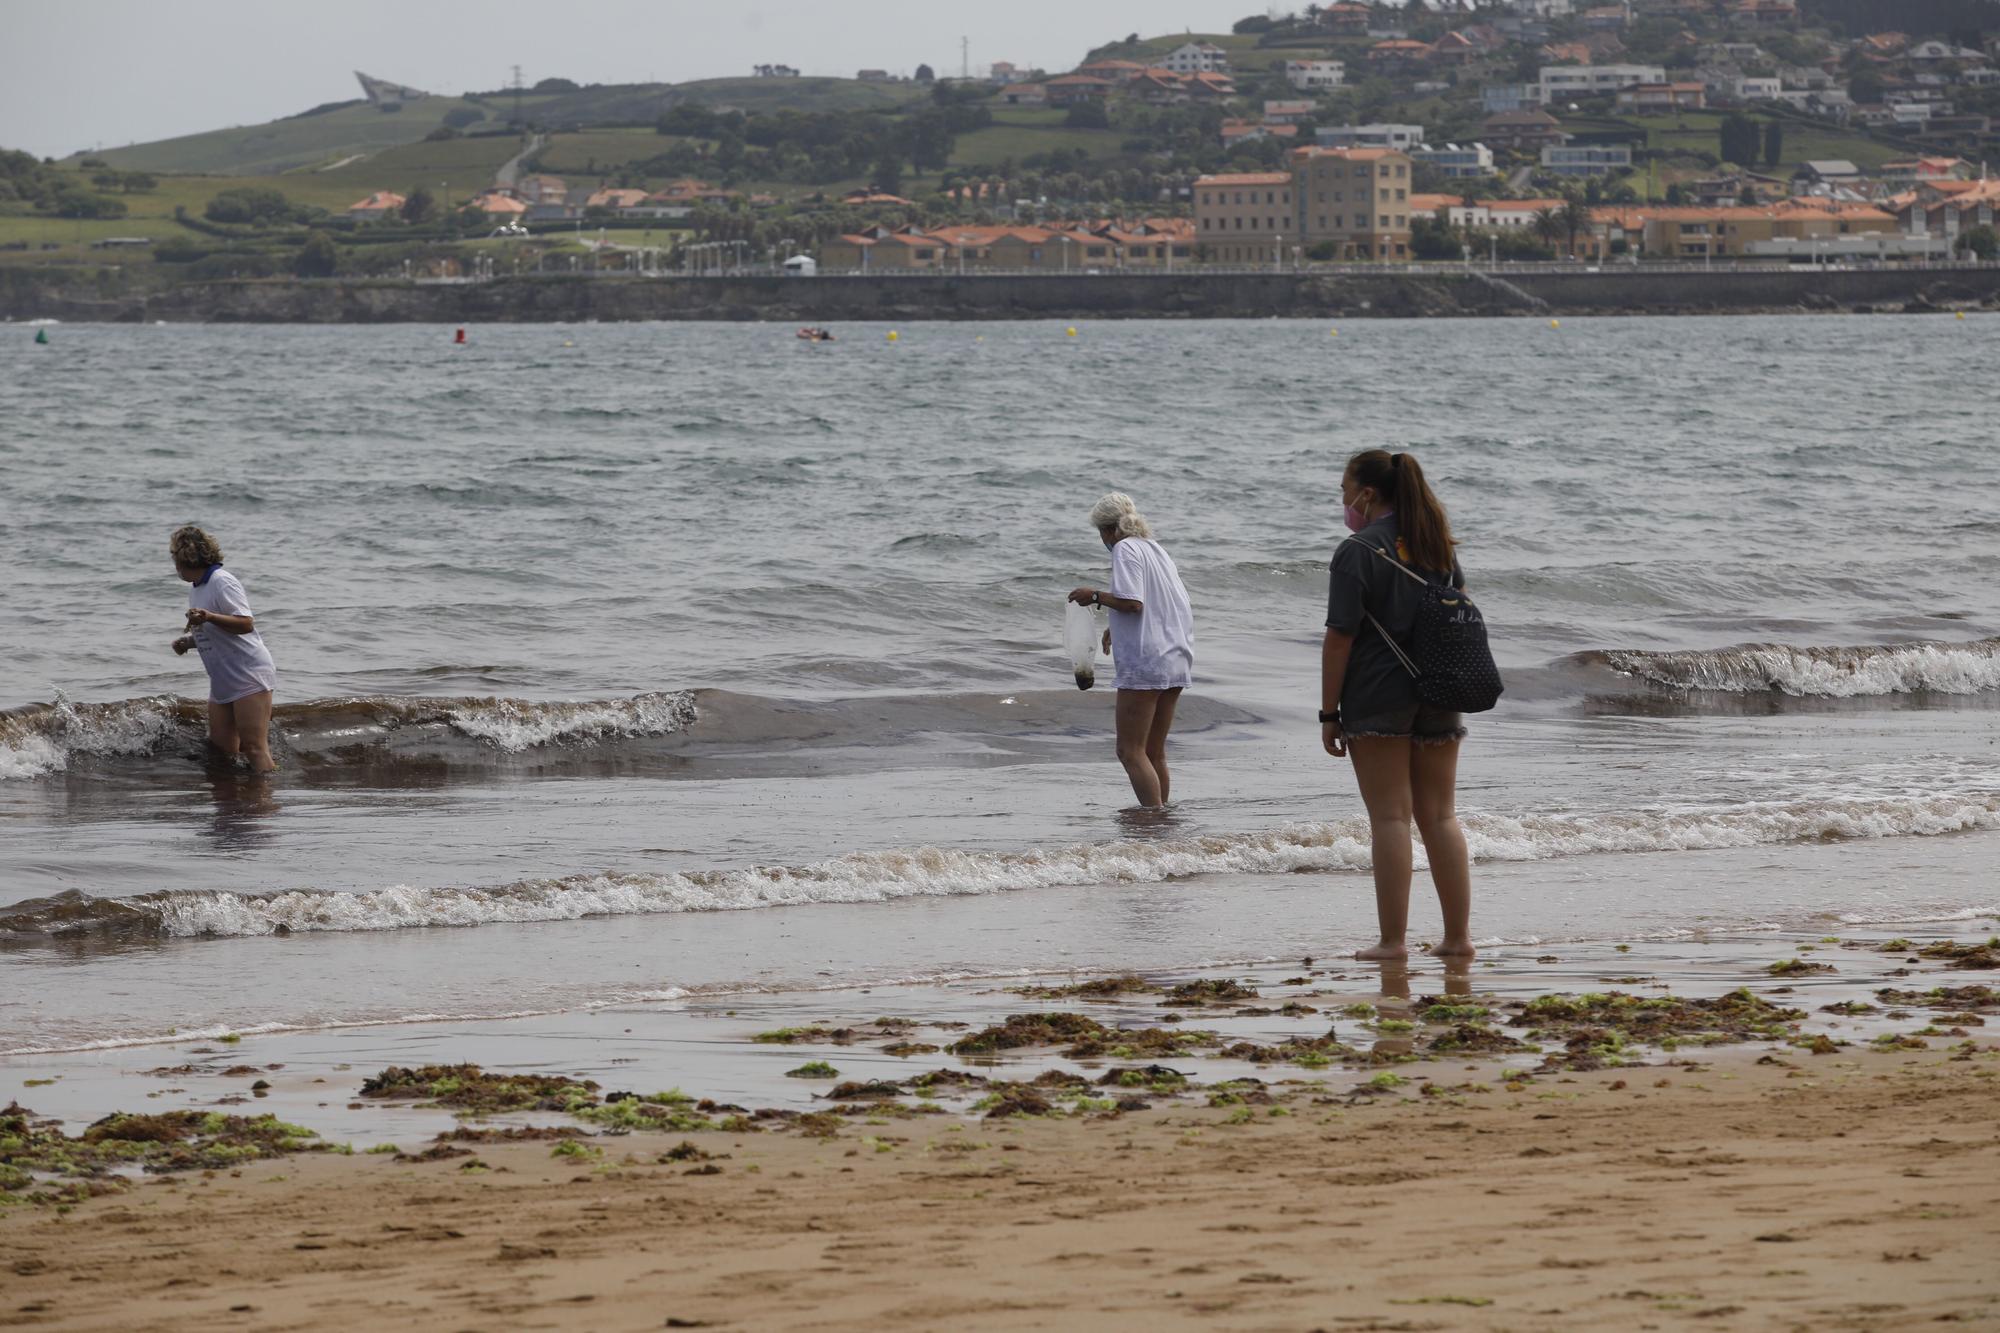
(515, 725)
(1836, 673)
(871, 877)
(38, 741)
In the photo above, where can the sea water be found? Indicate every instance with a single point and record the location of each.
(621, 661)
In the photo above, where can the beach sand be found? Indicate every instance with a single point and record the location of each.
(1755, 1184)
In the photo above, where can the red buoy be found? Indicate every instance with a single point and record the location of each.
(461, 337)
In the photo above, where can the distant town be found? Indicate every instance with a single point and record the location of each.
(1707, 131)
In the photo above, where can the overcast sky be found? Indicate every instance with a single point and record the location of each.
(83, 73)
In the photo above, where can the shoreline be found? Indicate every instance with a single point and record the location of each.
(137, 296)
(1773, 1128)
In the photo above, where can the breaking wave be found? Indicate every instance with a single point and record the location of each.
(1837, 673)
(874, 877)
(46, 738)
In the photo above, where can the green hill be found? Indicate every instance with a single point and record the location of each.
(309, 140)
(357, 129)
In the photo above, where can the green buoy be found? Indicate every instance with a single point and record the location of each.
(42, 336)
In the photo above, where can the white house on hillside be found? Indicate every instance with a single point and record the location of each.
(1197, 58)
(1312, 75)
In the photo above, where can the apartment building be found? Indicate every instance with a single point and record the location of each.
(1564, 83)
(1358, 199)
(1244, 217)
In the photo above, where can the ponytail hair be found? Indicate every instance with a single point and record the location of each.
(1117, 512)
(1420, 519)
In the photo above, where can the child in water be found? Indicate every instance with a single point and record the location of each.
(241, 675)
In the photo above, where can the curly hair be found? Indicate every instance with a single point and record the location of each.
(194, 549)
(1117, 513)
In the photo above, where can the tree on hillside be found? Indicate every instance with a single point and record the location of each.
(887, 177)
(1774, 142)
(318, 258)
(556, 86)
(1982, 241)
(1740, 142)
(1087, 116)
(249, 205)
(419, 206)
(1547, 224)
(925, 74)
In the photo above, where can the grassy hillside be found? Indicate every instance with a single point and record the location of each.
(288, 145)
(802, 94)
(305, 142)
(1018, 132)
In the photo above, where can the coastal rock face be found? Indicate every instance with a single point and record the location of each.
(118, 296)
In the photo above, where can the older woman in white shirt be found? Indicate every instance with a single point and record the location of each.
(1151, 641)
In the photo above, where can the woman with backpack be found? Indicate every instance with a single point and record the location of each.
(1396, 597)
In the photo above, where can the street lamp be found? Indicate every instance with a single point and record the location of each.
(1277, 252)
(1065, 254)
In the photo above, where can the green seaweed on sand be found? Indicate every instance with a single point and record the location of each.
(1798, 967)
(673, 1111)
(1103, 988)
(170, 1141)
(1385, 1082)
(1899, 1041)
(1456, 1013)
(577, 1151)
(1157, 1079)
(792, 1036)
(1358, 1010)
(813, 1069)
(1819, 1044)
(1312, 1051)
(470, 1089)
(1849, 1007)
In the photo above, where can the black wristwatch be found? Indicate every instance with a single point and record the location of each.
(1326, 717)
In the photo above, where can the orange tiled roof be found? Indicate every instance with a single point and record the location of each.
(1247, 178)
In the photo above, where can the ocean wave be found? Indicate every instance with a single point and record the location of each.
(1837, 673)
(875, 877)
(45, 738)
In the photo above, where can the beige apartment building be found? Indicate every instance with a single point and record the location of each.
(1356, 198)
(1245, 217)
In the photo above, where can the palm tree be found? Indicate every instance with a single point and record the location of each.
(1575, 217)
(1547, 225)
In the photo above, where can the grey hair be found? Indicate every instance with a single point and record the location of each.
(1117, 512)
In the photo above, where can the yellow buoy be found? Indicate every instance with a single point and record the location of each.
(568, 343)
(1333, 333)
(1555, 323)
(1961, 314)
(1072, 333)
(892, 335)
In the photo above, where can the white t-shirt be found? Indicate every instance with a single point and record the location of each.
(239, 665)
(1153, 648)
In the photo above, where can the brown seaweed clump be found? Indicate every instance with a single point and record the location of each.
(1012, 1099)
(1210, 991)
(170, 1141)
(1103, 988)
(1663, 1020)
(1968, 998)
(1798, 967)
(1030, 1030)
(1966, 956)
(1471, 1038)
(470, 1088)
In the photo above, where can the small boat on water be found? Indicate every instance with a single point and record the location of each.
(815, 335)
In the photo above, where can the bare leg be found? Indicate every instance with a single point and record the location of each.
(1156, 741)
(1434, 803)
(253, 730)
(222, 737)
(1382, 768)
(1135, 723)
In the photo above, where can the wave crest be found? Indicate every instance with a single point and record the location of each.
(872, 877)
(1836, 673)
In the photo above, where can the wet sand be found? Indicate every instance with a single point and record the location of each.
(1697, 1156)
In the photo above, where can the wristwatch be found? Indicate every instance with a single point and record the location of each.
(1326, 717)
(1097, 599)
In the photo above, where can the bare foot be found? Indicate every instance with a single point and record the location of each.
(1460, 949)
(1383, 953)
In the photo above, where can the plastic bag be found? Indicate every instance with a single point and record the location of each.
(1083, 627)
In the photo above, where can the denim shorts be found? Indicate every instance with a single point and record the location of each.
(1419, 723)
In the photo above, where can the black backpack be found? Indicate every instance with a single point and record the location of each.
(1448, 653)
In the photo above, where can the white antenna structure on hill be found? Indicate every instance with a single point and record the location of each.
(965, 57)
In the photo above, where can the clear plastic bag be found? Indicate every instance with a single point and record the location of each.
(1083, 628)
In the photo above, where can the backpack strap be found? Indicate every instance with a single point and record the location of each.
(1408, 663)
